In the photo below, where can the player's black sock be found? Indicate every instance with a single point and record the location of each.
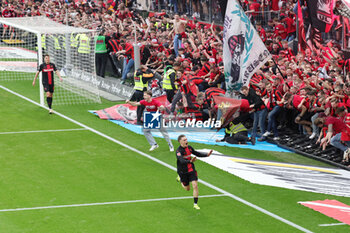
(49, 101)
(195, 200)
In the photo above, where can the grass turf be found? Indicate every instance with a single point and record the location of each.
(44, 169)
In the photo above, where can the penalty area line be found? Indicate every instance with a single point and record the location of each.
(262, 210)
(43, 131)
(109, 203)
(331, 224)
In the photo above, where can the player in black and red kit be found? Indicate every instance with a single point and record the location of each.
(48, 79)
(185, 167)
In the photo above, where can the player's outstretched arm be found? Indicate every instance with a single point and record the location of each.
(209, 153)
(59, 75)
(199, 154)
(36, 76)
(132, 103)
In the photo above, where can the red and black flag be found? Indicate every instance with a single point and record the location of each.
(301, 30)
(223, 5)
(321, 14)
(228, 107)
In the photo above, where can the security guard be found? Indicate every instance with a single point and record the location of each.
(57, 51)
(101, 55)
(141, 78)
(236, 134)
(169, 84)
(43, 43)
(62, 43)
(84, 52)
(74, 41)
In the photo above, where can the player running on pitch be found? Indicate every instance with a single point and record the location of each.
(48, 79)
(185, 167)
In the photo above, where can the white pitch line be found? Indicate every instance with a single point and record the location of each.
(108, 203)
(166, 165)
(43, 131)
(326, 205)
(332, 224)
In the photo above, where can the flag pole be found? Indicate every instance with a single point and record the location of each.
(278, 68)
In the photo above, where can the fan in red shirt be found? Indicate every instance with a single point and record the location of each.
(279, 29)
(253, 7)
(274, 105)
(290, 26)
(128, 59)
(7, 13)
(274, 5)
(301, 104)
(287, 52)
(123, 13)
(335, 127)
(187, 90)
(261, 31)
(345, 135)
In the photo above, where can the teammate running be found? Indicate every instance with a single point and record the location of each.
(48, 79)
(185, 167)
(152, 105)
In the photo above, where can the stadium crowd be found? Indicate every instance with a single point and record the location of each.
(308, 91)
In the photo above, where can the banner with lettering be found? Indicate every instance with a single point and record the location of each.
(244, 51)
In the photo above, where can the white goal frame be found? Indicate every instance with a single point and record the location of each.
(40, 25)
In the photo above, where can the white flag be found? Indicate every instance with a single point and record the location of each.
(343, 7)
(244, 51)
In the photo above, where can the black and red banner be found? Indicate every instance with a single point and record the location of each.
(228, 107)
(125, 112)
(321, 14)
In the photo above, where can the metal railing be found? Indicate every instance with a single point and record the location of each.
(204, 10)
(262, 16)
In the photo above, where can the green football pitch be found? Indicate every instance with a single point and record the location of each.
(72, 172)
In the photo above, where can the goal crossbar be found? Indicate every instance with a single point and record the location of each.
(71, 49)
(41, 25)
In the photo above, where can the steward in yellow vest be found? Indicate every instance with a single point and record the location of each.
(141, 78)
(84, 44)
(169, 84)
(74, 40)
(43, 43)
(236, 134)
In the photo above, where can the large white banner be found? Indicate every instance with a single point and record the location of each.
(244, 51)
(333, 181)
(343, 7)
(17, 52)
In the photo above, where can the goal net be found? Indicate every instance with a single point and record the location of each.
(24, 42)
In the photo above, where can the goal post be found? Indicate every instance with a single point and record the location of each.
(40, 61)
(26, 40)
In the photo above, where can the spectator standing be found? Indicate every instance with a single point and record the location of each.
(259, 111)
(113, 47)
(274, 104)
(128, 63)
(101, 55)
(184, 89)
(179, 30)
